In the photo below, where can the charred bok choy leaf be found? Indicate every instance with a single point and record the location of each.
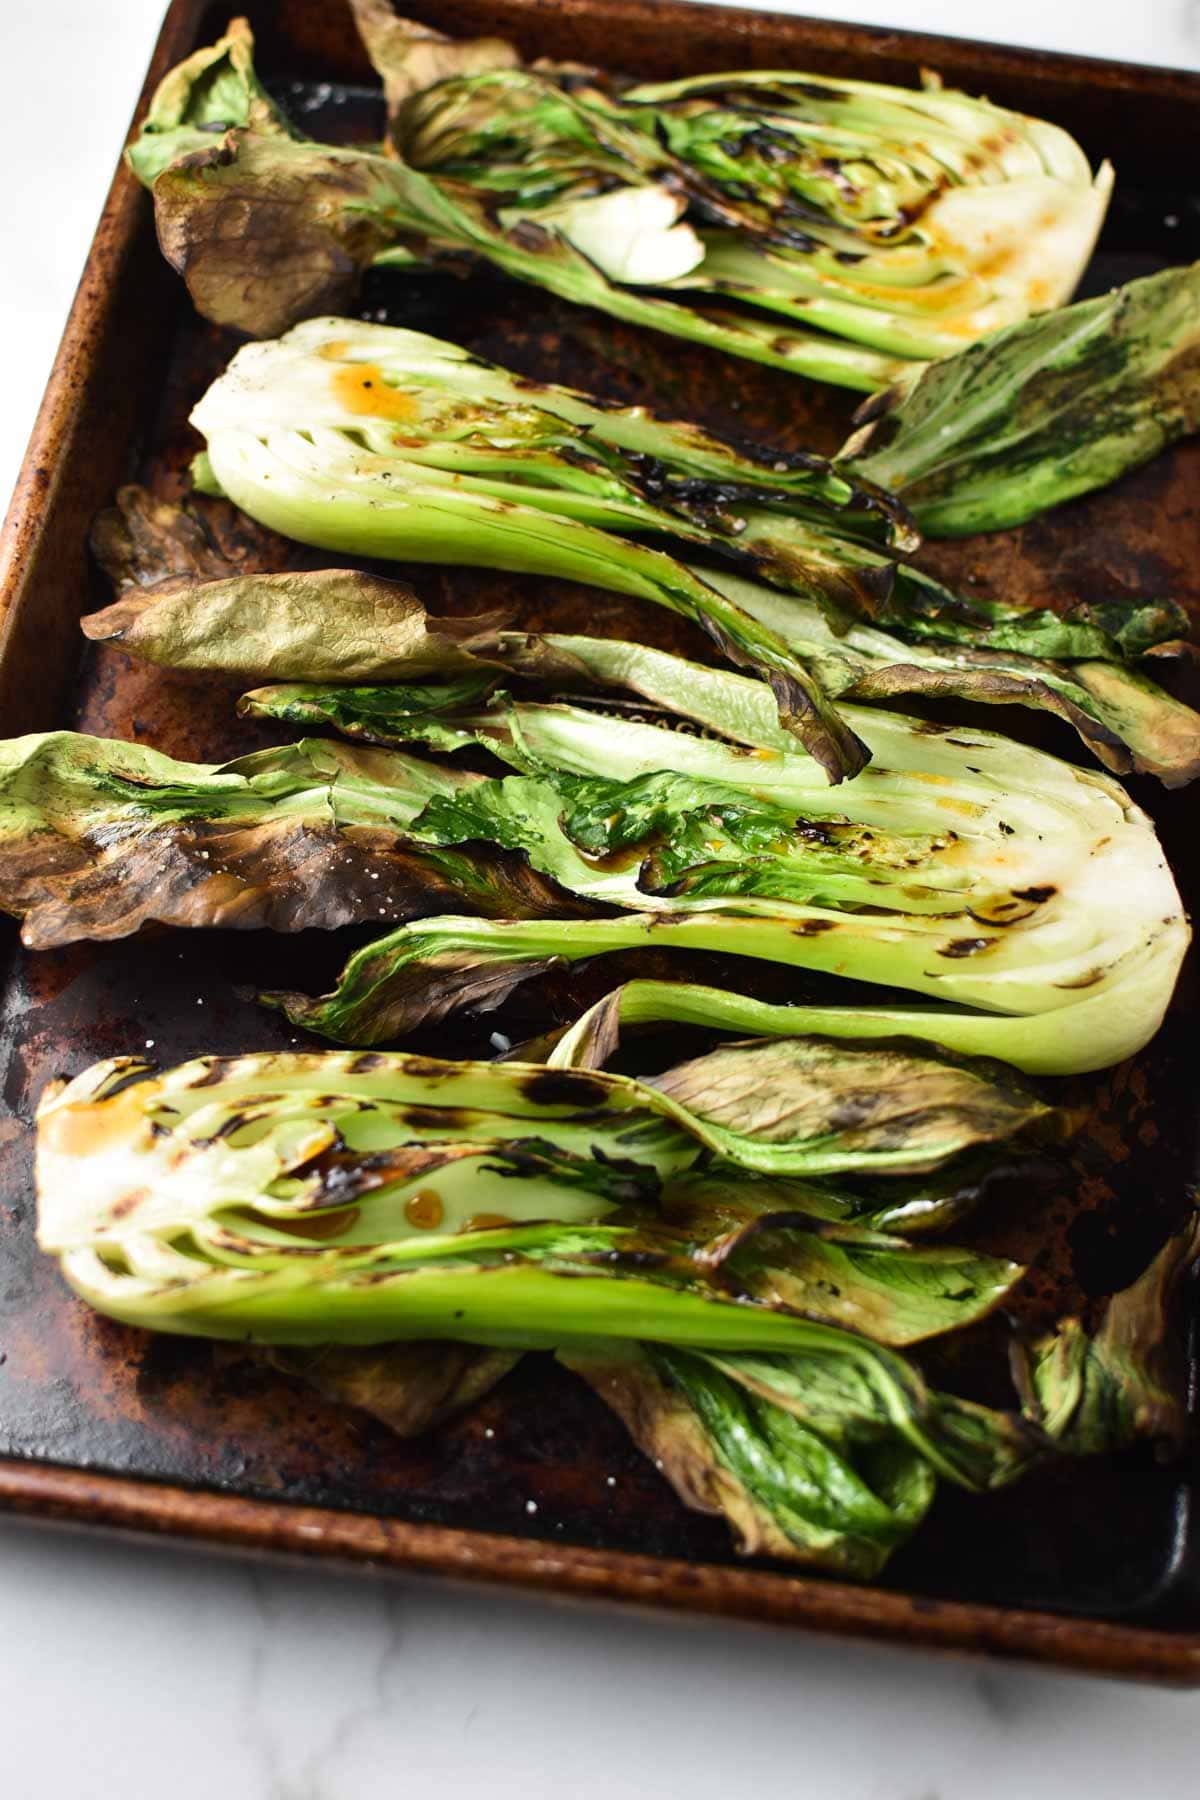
(837, 1479)
(321, 625)
(360, 1199)
(1040, 412)
(1030, 897)
(830, 1458)
(1091, 1393)
(913, 221)
(370, 440)
(904, 221)
(100, 838)
(411, 1388)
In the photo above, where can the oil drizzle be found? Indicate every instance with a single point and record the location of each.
(320, 1226)
(361, 388)
(424, 1209)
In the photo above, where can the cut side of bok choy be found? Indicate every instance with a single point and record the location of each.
(372, 441)
(357, 1199)
(418, 461)
(1029, 898)
(839, 230)
(326, 1208)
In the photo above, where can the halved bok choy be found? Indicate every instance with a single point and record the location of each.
(371, 441)
(1029, 899)
(839, 230)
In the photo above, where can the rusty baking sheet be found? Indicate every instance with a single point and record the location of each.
(1094, 1566)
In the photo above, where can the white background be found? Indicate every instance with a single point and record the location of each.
(135, 1672)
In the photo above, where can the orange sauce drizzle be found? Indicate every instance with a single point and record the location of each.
(319, 1226)
(425, 1209)
(360, 388)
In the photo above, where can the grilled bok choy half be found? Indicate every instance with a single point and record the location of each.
(300, 1201)
(905, 221)
(840, 230)
(354, 1198)
(388, 443)
(1031, 899)
(373, 441)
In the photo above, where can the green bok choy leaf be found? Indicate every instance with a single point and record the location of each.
(1041, 412)
(819, 1457)
(99, 838)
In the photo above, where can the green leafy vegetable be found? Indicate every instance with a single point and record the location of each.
(359, 1199)
(216, 152)
(186, 604)
(410, 1388)
(905, 221)
(375, 441)
(268, 227)
(100, 838)
(1126, 720)
(708, 1203)
(323, 1206)
(876, 1284)
(1099, 1393)
(1028, 896)
(212, 91)
(1041, 412)
(1166, 734)
(508, 486)
(849, 1105)
(785, 1490)
(830, 1454)
(424, 972)
(320, 625)
(921, 219)
(940, 1106)
(951, 868)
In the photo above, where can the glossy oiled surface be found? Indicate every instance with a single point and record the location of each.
(1111, 1543)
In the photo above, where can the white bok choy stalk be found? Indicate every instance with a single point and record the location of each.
(1030, 898)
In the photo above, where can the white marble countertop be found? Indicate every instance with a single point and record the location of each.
(133, 1671)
